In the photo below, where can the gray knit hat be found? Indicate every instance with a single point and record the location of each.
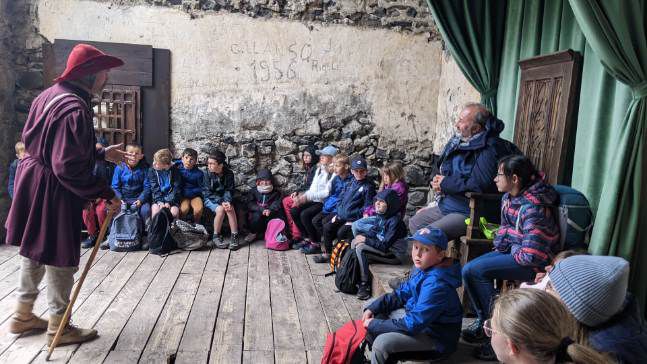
(592, 287)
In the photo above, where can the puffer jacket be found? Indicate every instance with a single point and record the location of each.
(336, 187)
(320, 187)
(431, 303)
(529, 229)
(356, 197)
(470, 166)
(389, 226)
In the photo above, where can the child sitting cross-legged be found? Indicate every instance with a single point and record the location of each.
(264, 205)
(218, 191)
(192, 178)
(384, 242)
(424, 314)
(165, 182)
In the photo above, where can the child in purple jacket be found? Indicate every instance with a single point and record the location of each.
(392, 178)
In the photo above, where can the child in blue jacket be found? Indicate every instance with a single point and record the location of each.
(20, 154)
(383, 242)
(165, 182)
(424, 314)
(192, 178)
(356, 198)
(130, 181)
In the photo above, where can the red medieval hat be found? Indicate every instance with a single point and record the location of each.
(85, 60)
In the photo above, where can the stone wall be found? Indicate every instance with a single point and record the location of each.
(261, 79)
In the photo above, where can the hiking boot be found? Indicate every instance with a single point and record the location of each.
(395, 282)
(235, 244)
(323, 258)
(485, 352)
(219, 242)
(474, 333)
(250, 238)
(71, 334)
(105, 245)
(311, 248)
(364, 291)
(23, 320)
(89, 242)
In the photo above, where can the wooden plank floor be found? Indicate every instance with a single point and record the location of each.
(248, 306)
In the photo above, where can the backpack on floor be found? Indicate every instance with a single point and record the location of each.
(575, 218)
(337, 255)
(160, 240)
(348, 276)
(189, 236)
(126, 231)
(346, 345)
(275, 239)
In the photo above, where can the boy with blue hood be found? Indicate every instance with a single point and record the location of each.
(424, 314)
(383, 242)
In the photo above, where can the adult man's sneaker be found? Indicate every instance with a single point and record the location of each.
(485, 352)
(395, 282)
(311, 248)
(71, 333)
(234, 245)
(323, 258)
(474, 333)
(364, 291)
(89, 242)
(220, 243)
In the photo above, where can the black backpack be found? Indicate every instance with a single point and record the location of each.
(160, 241)
(347, 276)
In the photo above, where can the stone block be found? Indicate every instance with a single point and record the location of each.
(284, 146)
(415, 175)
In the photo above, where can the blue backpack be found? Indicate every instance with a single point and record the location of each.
(126, 231)
(575, 218)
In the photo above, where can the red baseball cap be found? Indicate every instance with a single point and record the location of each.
(85, 60)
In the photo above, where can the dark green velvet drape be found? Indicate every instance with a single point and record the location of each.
(473, 32)
(617, 34)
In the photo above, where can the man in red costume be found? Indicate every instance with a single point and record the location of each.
(53, 182)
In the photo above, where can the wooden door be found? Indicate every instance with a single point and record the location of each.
(546, 112)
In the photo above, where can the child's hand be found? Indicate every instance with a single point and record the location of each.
(359, 240)
(266, 212)
(294, 195)
(367, 315)
(226, 206)
(167, 205)
(138, 203)
(539, 277)
(367, 322)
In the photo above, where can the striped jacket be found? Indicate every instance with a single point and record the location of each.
(529, 229)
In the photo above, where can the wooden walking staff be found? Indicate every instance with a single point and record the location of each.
(77, 289)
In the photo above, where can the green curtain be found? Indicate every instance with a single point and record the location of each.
(473, 32)
(617, 34)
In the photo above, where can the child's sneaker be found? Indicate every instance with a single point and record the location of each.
(234, 245)
(250, 238)
(89, 242)
(474, 333)
(219, 242)
(364, 291)
(311, 248)
(323, 258)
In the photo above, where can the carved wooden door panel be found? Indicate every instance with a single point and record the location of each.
(546, 112)
(117, 114)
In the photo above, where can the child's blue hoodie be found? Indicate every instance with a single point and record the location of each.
(431, 303)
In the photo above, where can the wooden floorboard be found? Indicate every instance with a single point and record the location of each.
(167, 333)
(227, 342)
(311, 316)
(198, 333)
(7, 252)
(258, 334)
(139, 327)
(116, 316)
(26, 348)
(285, 314)
(211, 306)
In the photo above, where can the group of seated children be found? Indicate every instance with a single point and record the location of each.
(580, 311)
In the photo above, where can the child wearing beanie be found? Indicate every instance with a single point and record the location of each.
(594, 289)
(264, 204)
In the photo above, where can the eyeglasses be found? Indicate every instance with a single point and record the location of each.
(487, 328)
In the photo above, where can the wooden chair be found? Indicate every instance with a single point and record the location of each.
(545, 122)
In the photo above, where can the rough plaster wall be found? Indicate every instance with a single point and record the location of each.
(454, 91)
(231, 72)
